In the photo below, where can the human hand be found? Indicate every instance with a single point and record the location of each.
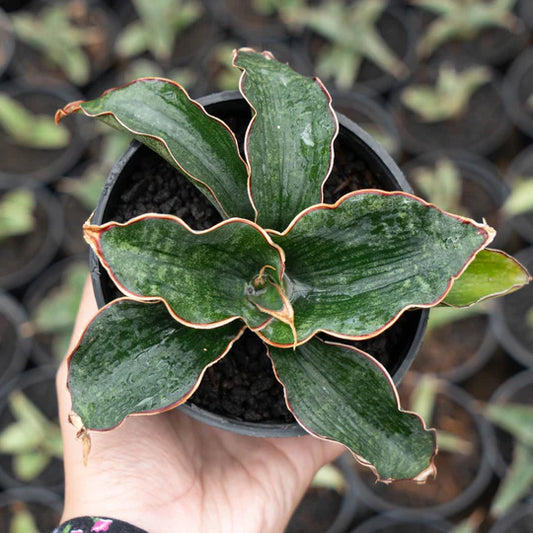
(170, 472)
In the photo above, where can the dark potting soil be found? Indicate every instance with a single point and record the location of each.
(242, 384)
(316, 512)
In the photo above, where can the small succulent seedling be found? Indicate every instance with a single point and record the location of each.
(32, 440)
(54, 32)
(440, 184)
(516, 419)
(160, 23)
(451, 95)
(30, 129)
(464, 20)
(16, 213)
(22, 521)
(55, 314)
(281, 263)
(351, 35)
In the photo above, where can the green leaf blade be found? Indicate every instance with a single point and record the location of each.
(289, 144)
(342, 394)
(152, 365)
(160, 114)
(392, 252)
(492, 273)
(206, 278)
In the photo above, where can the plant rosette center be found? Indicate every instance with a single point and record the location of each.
(282, 263)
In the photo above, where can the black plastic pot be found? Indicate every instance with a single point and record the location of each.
(25, 165)
(525, 10)
(385, 498)
(522, 167)
(7, 42)
(397, 30)
(509, 320)
(15, 346)
(482, 129)
(517, 520)
(402, 522)
(44, 506)
(306, 516)
(385, 171)
(24, 256)
(517, 88)
(38, 385)
(517, 389)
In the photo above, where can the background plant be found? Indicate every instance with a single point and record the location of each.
(160, 23)
(16, 213)
(464, 20)
(451, 95)
(351, 35)
(54, 32)
(30, 129)
(32, 440)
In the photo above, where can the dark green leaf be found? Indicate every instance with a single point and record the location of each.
(160, 114)
(342, 394)
(353, 269)
(290, 143)
(135, 358)
(206, 278)
(492, 273)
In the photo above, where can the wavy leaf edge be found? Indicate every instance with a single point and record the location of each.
(91, 235)
(271, 56)
(482, 227)
(77, 106)
(74, 417)
(429, 472)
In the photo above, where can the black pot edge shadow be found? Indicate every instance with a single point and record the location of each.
(503, 394)
(375, 156)
(12, 308)
(433, 522)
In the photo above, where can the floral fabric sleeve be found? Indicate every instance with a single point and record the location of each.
(93, 524)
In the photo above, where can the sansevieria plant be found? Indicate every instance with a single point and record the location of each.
(281, 263)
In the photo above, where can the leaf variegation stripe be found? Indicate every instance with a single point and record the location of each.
(135, 358)
(342, 394)
(160, 114)
(492, 273)
(352, 268)
(206, 278)
(289, 143)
